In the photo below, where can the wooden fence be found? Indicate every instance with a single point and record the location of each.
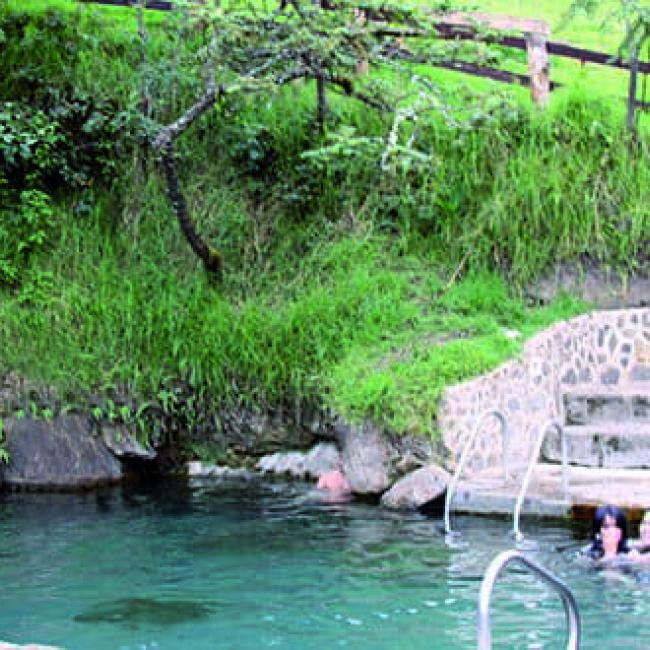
(533, 40)
(162, 5)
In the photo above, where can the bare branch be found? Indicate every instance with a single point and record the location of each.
(170, 132)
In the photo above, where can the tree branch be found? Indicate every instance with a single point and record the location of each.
(169, 133)
(209, 256)
(164, 144)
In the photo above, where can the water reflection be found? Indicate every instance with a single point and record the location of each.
(132, 612)
(255, 565)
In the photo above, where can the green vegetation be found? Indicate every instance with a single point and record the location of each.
(358, 274)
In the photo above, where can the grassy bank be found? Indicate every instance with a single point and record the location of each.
(363, 287)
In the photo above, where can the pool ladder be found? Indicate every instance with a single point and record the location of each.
(498, 564)
(550, 424)
(532, 462)
(467, 449)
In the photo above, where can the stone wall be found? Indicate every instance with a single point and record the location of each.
(605, 349)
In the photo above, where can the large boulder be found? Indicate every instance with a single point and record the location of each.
(322, 458)
(60, 453)
(373, 459)
(417, 488)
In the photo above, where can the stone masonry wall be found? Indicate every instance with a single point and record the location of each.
(606, 349)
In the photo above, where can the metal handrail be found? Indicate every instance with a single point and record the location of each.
(505, 431)
(550, 424)
(502, 560)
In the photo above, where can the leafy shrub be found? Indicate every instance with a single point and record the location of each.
(64, 122)
(76, 140)
(29, 142)
(24, 227)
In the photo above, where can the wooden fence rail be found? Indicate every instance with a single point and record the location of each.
(161, 5)
(463, 26)
(453, 32)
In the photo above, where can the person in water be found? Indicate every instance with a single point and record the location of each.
(334, 481)
(641, 550)
(608, 534)
(644, 534)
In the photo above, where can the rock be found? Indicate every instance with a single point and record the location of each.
(60, 454)
(374, 459)
(291, 463)
(594, 284)
(324, 457)
(266, 433)
(197, 469)
(124, 445)
(368, 458)
(417, 488)
(511, 335)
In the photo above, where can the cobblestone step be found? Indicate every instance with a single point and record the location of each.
(594, 404)
(623, 445)
(588, 487)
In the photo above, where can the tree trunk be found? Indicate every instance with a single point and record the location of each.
(321, 103)
(208, 255)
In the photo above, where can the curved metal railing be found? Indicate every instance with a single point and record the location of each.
(499, 563)
(549, 424)
(465, 455)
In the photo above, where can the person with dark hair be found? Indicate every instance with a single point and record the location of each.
(608, 534)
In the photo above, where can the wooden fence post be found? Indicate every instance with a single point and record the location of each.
(361, 19)
(539, 66)
(631, 93)
(634, 75)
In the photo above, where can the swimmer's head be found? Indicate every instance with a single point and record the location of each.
(609, 526)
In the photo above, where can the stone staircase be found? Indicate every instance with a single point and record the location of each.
(605, 427)
(608, 445)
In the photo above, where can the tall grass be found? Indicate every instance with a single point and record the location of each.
(517, 190)
(102, 317)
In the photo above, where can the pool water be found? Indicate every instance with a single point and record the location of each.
(196, 566)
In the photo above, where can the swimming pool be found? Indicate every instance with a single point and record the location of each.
(238, 566)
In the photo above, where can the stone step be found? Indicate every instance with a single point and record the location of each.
(591, 404)
(609, 445)
(588, 487)
(478, 496)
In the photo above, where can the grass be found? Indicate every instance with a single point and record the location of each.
(596, 31)
(398, 380)
(346, 285)
(365, 330)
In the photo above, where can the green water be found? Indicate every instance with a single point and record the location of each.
(204, 566)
